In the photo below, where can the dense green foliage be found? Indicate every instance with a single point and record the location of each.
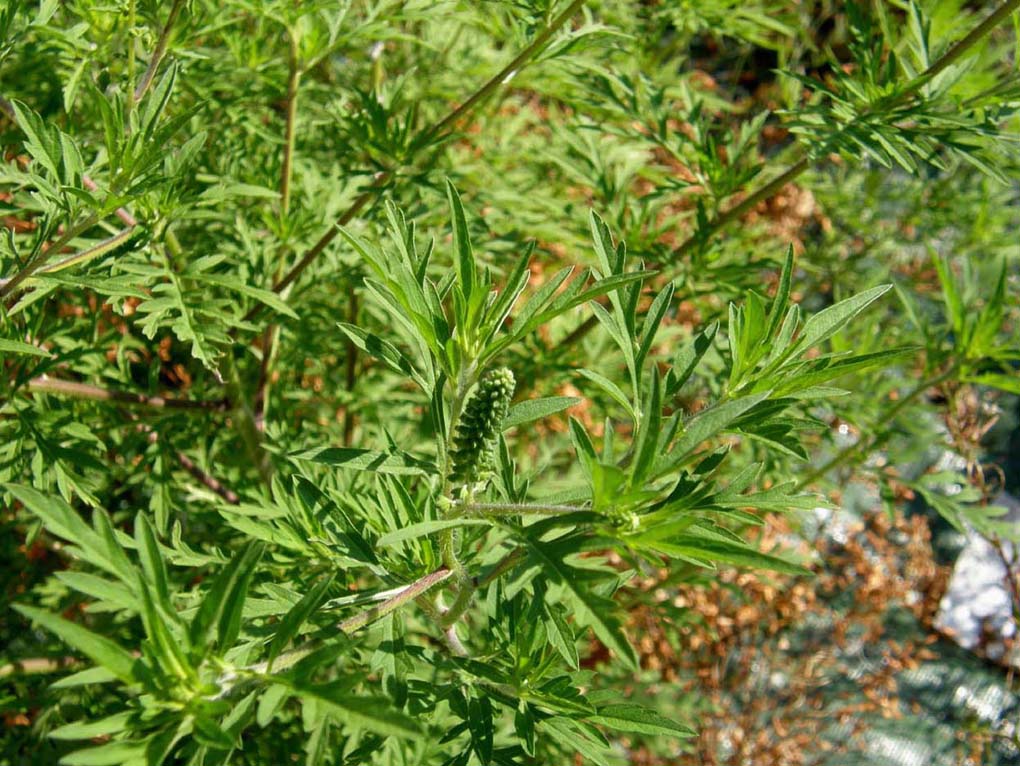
(326, 460)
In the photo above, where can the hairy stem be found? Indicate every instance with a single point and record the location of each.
(407, 595)
(37, 262)
(465, 593)
(514, 509)
(88, 254)
(447, 538)
(453, 642)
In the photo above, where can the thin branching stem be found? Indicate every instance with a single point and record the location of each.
(378, 184)
(798, 168)
(504, 565)
(293, 81)
(749, 203)
(350, 372)
(245, 421)
(122, 213)
(976, 35)
(202, 477)
(503, 76)
(37, 665)
(89, 253)
(206, 479)
(271, 335)
(911, 89)
(427, 137)
(158, 52)
(1011, 576)
(37, 262)
(885, 417)
(403, 598)
(129, 101)
(406, 595)
(48, 385)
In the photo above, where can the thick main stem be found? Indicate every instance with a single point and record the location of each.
(515, 509)
(447, 537)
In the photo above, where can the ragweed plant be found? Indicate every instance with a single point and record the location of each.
(504, 571)
(296, 481)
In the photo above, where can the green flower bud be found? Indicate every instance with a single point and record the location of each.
(479, 426)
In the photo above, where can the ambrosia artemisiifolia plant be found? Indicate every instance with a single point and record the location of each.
(301, 484)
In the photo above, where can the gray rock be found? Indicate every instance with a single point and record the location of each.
(977, 602)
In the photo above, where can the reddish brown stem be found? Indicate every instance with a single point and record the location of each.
(45, 384)
(206, 479)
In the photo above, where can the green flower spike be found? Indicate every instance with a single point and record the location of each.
(479, 426)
